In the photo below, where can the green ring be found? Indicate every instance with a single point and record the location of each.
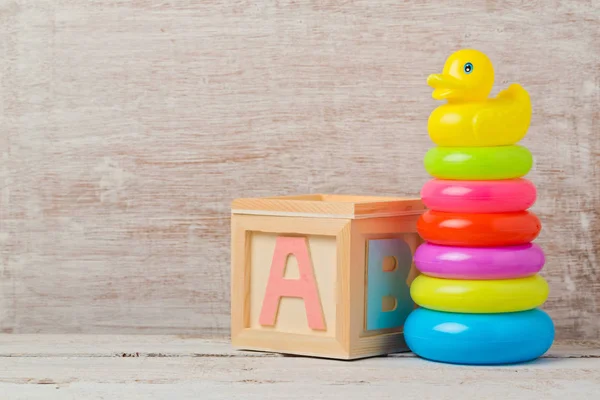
(478, 163)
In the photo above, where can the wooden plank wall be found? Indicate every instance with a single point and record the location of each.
(127, 127)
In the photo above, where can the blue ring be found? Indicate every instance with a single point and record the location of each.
(483, 339)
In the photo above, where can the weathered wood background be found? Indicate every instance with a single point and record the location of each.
(127, 127)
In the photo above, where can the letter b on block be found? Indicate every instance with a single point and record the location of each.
(305, 287)
(388, 295)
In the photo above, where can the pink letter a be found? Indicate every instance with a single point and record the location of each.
(305, 287)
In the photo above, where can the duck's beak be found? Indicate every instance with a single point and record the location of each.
(446, 86)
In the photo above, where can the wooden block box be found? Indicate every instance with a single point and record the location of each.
(322, 275)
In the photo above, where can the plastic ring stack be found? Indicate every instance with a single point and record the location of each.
(479, 290)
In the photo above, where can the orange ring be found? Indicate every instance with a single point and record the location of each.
(495, 229)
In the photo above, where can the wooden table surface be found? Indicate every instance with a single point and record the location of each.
(175, 367)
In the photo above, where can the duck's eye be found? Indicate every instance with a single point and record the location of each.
(468, 68)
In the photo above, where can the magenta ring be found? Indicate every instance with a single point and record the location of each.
(506, 262)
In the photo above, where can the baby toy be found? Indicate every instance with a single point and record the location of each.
(323, 275)
(471, 119)
(479, 290)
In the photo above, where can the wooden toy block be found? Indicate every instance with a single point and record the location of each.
(322, 275)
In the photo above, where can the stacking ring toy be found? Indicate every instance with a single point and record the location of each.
(505, 262)
(477, 230)
(479, 339)
(481, 296)
(478, 125)
(498, 196)
(478, 163)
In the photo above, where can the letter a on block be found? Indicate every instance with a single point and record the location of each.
(305, 287)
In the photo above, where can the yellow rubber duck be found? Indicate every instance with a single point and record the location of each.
(470, 118)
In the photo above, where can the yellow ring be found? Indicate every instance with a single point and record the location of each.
(479, 296)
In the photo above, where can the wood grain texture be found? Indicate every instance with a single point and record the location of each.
(127, 346)
(329, 206)
(167, 367)
(127, 127)
(260, 378)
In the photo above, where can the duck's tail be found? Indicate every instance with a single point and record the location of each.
(508, 114)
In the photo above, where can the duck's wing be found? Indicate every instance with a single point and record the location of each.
(508, 114)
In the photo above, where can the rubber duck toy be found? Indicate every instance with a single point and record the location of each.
(470, 118)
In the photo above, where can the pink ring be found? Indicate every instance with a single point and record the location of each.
(508, 195)
(479, 262)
